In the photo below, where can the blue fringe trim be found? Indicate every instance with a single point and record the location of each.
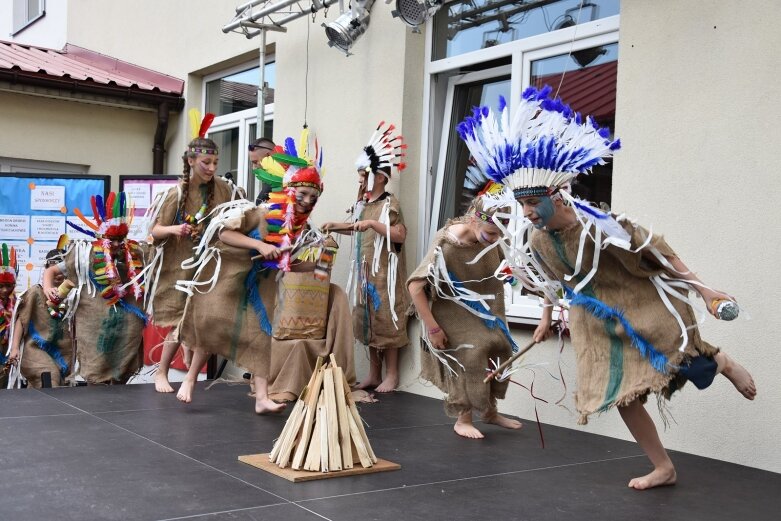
(491, 323)
(604, 312)
(253, 295)
(80, 229)
(373, 295)
(49, 348)
(130, 308)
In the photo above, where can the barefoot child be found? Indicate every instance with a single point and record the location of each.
(233, 318)
(42, 341)
(461, 308)
(177, 221)
(378, 269)
(632, 324)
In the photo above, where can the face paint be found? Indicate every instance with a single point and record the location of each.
(544, 211)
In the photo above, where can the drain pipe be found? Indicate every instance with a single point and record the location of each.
(158, 150)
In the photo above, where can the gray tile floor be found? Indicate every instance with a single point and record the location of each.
(128, 453)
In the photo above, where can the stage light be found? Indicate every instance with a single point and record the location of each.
(343, 32)
(415, 12)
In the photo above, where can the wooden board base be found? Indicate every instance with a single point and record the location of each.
(262, 462)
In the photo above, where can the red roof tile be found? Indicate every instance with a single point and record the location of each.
(590, 90)
(82, 64)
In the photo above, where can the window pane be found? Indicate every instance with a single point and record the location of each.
(228, 143)
(456, 194)
(252, 183)
(33, 9)
(463, 26)
(586, 81)
(239, 91)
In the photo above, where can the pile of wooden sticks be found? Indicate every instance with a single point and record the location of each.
(324, 432)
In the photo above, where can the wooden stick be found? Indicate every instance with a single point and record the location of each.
(287, 448)
(515, 357)
(311, 411)
(359, 423)
(281, 250)
(344, 422)
(334, 451)
(313, 454)
(360, 446)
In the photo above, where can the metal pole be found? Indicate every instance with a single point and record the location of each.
(262, 88)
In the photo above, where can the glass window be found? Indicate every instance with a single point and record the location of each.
(239, 91)
(26, 12)
(586, 81)
(468, 25)
(228, 143)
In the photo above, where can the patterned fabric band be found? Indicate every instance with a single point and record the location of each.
(489, 218)
(532, 191)
(308, 184)
(206, 151)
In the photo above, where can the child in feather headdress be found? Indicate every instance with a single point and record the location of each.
(631, 319)
(231, 308)
(108, 275)
(378, 268)
(177, 220)
(8, 270)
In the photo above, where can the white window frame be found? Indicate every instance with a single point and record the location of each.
(242, 120)
(24, 21)
(520, 308)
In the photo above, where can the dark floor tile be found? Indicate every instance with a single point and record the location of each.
(428, 454)
(595, 491)
(287, 512)
(79, 467)
(29, 402)
(113, 397)
(399, 409)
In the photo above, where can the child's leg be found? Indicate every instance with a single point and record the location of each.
(465, 428)
(263, 403)
(643, 430)
(185, 393)
(375, 371)
(737, 374)
(391, 380)
(187, 355)
(162, 385)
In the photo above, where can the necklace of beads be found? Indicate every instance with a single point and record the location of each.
(193, 219)
(106, 275)
(6, 312)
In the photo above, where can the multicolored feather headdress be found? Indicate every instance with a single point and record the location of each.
(111, 218)
(198, 129)
(295, 167)
(384, 150)
(271, 171)
(539, 151)
(8, 265)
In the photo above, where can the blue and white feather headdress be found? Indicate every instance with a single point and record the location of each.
(543, 147)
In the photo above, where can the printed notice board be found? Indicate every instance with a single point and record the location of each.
(34, 209)
(143, 189)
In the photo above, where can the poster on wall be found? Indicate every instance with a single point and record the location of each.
(34, 209)
(142, 190)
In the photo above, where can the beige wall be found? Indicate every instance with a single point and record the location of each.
(697, 105)
(108, 140)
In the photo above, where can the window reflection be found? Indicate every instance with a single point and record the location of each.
(239, 91)
(468, 25)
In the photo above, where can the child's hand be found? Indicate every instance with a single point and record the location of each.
(437, 337)
(180, 230)
(543, 330)
(362, 226)
(710, 296)
(13, 356)
(51, 294)
(268, 251)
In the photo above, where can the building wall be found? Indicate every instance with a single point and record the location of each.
(107, 140)
(48, 31)
(697, 102)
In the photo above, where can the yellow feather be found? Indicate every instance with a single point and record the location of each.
(270, 165)
(195, 122)
(303, 145)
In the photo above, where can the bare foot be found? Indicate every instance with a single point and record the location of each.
(388, 385)
(268, 405)
(369, 383)
(162, 385)
(185, 393)
(739, 376)
(502, 421)
(658, 478)
(465, 428)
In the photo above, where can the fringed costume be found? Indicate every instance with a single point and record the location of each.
(467, 301)
(378, 270)
(632, 323)
(8, 271)
(107, 310)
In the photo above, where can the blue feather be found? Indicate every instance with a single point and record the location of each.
(591, 210)
(502, 103)
(122, 204)
(615, 145)
(80, 229)
(604, 312)
(101, 207)
(253, 296)
(290, 147)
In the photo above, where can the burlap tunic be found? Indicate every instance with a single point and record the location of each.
(610, 370)
(223, 321)
(52, 350)
(467, 390)
(108, 338)
(372, 324)
(168, 304)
